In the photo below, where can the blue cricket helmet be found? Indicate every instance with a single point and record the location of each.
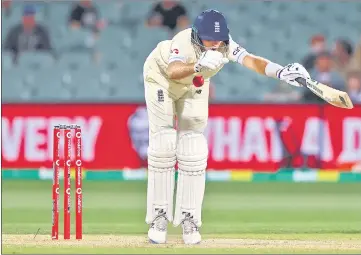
(210, 25)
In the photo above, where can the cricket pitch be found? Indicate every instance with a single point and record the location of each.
(125, 241)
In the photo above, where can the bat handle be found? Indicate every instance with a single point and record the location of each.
(301, 81)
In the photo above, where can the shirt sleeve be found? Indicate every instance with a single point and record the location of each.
(154, 11)
(181, 11)
(11, 39)
(236, 52)
(75, 14)
(45, 39)
(177, 53)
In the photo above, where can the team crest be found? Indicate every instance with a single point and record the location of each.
(217, 27)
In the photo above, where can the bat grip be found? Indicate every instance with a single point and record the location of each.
(301, 81)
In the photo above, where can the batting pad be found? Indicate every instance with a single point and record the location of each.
(161, 162)
(192, 154)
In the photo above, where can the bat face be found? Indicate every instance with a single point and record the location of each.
(332, 96)
(342, 100)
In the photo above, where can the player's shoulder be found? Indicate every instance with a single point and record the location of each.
(181, 47)
(183, 36)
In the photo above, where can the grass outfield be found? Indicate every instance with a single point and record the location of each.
(237, 217)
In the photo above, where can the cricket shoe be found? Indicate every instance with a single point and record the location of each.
(157, 232)
(191, 233)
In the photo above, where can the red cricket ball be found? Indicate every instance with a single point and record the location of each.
(198, 81)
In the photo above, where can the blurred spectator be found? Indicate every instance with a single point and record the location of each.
(85, 15)
(356, 58)
(324, 73)
(28, 36)
(169, 14)
(318, 44)
(354, 86)
(6, 7)
(342, 53)
(283, 93)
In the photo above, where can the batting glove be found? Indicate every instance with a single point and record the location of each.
(210, 59)
(290, 72)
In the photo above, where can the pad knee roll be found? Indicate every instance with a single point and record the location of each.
(161, 162)
(192, 155)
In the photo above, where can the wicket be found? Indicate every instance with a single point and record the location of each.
(66, 130)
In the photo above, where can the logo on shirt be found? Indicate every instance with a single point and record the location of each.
(175, 51)
(236, 51)
(160, 95)
(217, 27)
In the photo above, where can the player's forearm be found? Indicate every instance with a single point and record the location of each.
(261, 65)
(178, 70)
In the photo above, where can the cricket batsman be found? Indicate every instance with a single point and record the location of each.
(172, 74)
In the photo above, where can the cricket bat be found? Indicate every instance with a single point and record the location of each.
(332, 96)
